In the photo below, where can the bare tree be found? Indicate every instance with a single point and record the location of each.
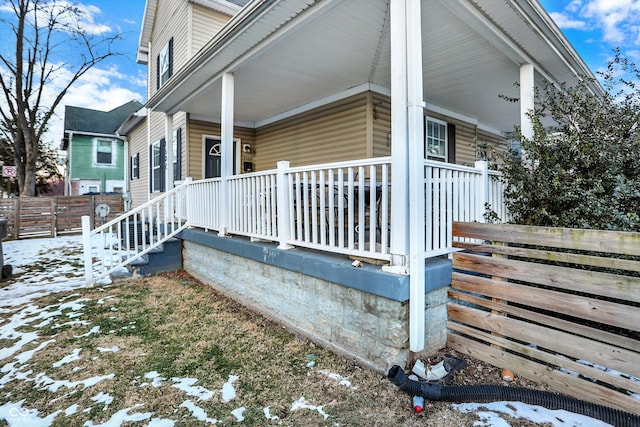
(51, 45)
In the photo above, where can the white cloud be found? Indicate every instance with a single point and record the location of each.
(99, 89)
(68, 15)
(565, 21)
(617, 19)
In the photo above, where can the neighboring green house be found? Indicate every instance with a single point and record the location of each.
(95, 153)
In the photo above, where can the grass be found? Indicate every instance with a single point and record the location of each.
(180, 328)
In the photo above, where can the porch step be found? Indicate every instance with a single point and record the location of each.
(167, 257)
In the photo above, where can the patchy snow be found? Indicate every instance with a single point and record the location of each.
(238, 413)
(228, 391)
(187, 385)
(267, 414)
(122, 416)
(341, 380)
(489, 413)
(64, 272)
(75, 355)
(197, 412)
(303, 404)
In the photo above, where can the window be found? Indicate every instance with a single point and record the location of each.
(135, 166)
(104, 152)
(164, 63)
(436, 140)
(157, 163)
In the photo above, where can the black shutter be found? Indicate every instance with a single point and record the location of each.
(157, 72)
(151, 168)
(137, 165)
(170, 57)
(163, 165)
(177, 172)
(451, 143)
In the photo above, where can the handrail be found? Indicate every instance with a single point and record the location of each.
(134, 234)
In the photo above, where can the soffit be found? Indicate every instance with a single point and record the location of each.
(297, 52)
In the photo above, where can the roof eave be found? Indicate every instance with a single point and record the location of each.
(142, 54)
(562, 45)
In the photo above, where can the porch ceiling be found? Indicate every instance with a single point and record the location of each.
(326, 48)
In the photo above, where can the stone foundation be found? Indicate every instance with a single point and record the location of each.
(372, 328)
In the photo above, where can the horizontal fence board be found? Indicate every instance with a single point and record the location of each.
(596, 283)
(562, 257)
(554, 361)
(581, 307)
(561, 342)
(616, 242)
(554, 322)
(537, 372)
(558, 306)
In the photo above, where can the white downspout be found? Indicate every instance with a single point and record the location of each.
(226, 131)
(407, 159)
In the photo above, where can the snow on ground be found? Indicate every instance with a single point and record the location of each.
(62, 262)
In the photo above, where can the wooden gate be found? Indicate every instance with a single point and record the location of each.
(50, 216)
(557, 306)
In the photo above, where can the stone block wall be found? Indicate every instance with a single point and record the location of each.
(370, 328)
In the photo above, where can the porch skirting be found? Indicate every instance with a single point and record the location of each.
(359, 312)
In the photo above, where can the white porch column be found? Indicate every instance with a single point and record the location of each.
(415, 113)
(527, 97)
(399, 149)
(168, 137)
(407, 157)
(226, 134)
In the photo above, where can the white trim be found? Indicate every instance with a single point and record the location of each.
(315, 104)
(446, 138)
(221, 6)
(114, 148)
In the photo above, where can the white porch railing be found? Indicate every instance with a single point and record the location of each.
(458, 193)
(133, 234)
(341, 207)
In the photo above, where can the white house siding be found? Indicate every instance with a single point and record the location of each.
(327, 134)
(139, 188)
(381, 121)
(171, 20)
(204, 23)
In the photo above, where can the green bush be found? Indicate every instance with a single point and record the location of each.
(582, 171)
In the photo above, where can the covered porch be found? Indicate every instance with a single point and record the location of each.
(277, 59)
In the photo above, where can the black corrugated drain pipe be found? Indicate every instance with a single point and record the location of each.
(492, 393)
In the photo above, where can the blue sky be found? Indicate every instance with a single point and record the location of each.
(594, 27)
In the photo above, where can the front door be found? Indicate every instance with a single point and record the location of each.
(213, 157)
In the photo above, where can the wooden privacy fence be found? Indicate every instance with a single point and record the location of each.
(558, 306)
(50, 216)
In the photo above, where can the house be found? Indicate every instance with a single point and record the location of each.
(296, 145)
(95, 153)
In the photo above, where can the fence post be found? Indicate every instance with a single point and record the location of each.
(282, 205)
(86, 244)
(16, 230)
(482, 197)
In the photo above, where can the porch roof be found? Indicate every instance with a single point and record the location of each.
(289, 54)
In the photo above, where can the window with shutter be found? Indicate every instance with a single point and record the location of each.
(164, 63)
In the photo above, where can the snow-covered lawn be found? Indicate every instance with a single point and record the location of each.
(29, 328)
